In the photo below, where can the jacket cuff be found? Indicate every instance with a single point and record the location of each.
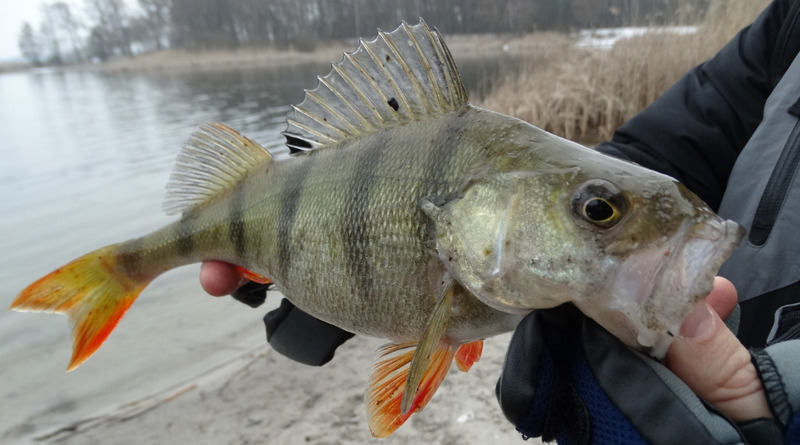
(783, 393)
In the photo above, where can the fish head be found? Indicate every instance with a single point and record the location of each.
(632, 248)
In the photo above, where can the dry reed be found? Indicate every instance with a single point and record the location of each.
(585, 94)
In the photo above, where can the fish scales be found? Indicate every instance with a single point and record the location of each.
(356, 211)
(411, 215)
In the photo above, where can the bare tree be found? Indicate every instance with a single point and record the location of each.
(29, 45)
(49, 30)
(112, 18)
(156, 21)
(99, 44)
(66, 23)
(204, 24)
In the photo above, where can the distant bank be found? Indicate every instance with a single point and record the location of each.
(462, 46)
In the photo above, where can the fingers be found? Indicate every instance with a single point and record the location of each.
(722, 298)
(713, 363)
(218, 278)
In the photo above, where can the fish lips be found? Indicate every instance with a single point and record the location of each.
(656, 289)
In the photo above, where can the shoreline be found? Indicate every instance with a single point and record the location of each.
(462, 46)
(265, 398)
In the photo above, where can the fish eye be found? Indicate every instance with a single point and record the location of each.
(600, 203)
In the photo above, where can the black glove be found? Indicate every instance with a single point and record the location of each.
(292, 332)
(301, 337)
(252, 294)
(568, 379)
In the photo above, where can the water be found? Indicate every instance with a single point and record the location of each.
(85, 158)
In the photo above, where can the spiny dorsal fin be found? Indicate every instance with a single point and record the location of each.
(214, 160)
(401, 76)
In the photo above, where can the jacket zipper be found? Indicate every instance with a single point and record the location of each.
(776, 189)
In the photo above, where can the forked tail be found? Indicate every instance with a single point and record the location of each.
(94, 291)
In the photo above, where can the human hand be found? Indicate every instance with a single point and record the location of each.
(219, 279)
(709, 358)
(566, 378)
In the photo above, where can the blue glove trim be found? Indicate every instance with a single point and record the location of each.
(792, 436)
(569, 405)
(533, 424)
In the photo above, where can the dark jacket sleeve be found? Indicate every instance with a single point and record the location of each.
(696, 130)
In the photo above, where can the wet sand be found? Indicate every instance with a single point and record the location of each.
(264, 398)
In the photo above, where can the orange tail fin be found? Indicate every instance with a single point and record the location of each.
(93, 291)
(387, 384)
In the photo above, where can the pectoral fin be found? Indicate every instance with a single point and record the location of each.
(430, 341)
(387, 385)
(405, 376)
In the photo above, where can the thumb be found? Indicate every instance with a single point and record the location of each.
(713, 363)
(218, 278)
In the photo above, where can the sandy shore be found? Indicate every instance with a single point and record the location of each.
(266, 398)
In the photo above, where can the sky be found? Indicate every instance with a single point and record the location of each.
(13, 13)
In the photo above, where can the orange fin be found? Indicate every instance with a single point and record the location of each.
(252, 276)
(387, 384)
(468, 354)
(93, 291)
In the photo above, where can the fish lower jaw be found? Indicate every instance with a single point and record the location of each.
(657, 289)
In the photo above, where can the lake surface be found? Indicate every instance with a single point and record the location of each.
(84, 159)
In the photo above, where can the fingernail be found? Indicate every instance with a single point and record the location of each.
(698, 323)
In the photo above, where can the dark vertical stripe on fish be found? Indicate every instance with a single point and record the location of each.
(441, 155)
(130, 257)
(236, 225)
(356, 218)
(290, 198)
(184, 238)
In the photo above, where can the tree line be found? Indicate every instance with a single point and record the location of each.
(115, 28)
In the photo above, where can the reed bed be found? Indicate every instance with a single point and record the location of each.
(584, 94)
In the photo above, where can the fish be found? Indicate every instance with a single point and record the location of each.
(405, 212)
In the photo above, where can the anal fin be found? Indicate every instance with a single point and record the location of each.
(468, 354)
(430, 341)
(252, 276)
(406, 376)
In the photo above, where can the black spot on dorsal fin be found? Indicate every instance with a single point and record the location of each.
(402, 76)
(297, 145)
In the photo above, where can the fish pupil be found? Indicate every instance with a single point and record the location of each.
(599, 202)
(598, 209)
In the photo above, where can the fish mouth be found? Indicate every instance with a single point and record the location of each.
(657, 307)
(686, 278)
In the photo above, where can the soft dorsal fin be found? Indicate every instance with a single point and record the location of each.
(401, 76)
(214, 160)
